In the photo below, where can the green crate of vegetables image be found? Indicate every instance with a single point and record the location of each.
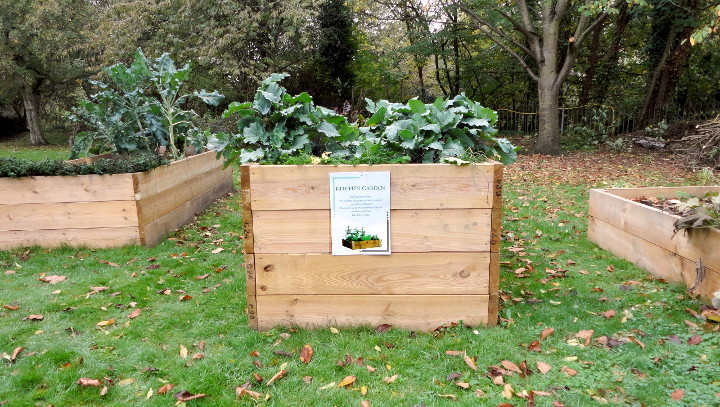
(356, 239)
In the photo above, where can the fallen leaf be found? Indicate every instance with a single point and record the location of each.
(448, 396)
(150, 393)
(586, 335)
(306, 354)
(35, 317)
(218, 250)
(104, 390)
(470, 362)
(677, 394)
(109, 263)
(197, 356)
(86, 381)
(568, 371)
(510, 366)
(185, 297)
(463, 385)
(608, 314)
(334, 330)
(187, 396)
(454, 352)
(364, 403)
(241, 392)
(183, 352)
(165, 388)
(52, 279)
(202, 277)
(11, 307)
(106, 323)
(136, 313)
(541, 393)
(370, 368)
(276, 376)
(390, 379)
(543, 367)
(347, 381)
(14, 355)
(125, 382)
(508, 391)
(694, 340)
(546, 332)
(534, 346)
(382, 328)
(636, 341)
(327, 386)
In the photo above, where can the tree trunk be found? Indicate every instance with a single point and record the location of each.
(31, 100)
(549, 117)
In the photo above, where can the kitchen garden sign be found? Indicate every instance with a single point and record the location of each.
(360, 213)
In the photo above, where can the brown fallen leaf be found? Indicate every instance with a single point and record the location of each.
(254, 353)
(463, 385)
(197, 356)
(241, 392)
(541, 393)
(508, 391)
(15, 353)
(608, 314)
(306, 354)
(185, 297)
(136, 313)
(448, 396)
(11, 307)
(276, 376)
(568, 371)
(183, 352)
(187, 396)
(165, 388)
(202, 277)
(636, 341)
(390, 379)
(694, 340)
(469, 362)
(455, 352)
(510, 366)
(586, 335)
(257, 377)
(543, 367)
(382, 328)
(106, 323)
(347, 381)
(535, 346)
(35, 317)
(546, 332)
(86, 381)
(364, 403)
(52, 279)
(109, 263)
(677, 394)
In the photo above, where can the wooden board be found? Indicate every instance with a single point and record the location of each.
(155, 231)
(404, 273)
(436, 186)
(95, 237)
(414, 312)
(78, 215)
(308, 231)
(656, 260)
(152, 207)
(655, 226)
(76, 188)
(664, 192)
(159, 179)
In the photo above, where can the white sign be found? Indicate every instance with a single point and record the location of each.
(360, 213)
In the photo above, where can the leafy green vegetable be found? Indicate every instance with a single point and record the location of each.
(17, 167)
(358, 235)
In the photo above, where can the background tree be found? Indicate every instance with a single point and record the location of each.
(43, 50)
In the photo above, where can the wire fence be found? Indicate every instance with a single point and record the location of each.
(615, 120)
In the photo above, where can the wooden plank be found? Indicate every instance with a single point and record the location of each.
(248, 232)
(251, 290)
(664, 192)
(161, 178)
(93, 238)
(415, 312)
(308, 231)
(404, 273)
(78, 215)
(494, 288)
(75, 188)
(152, 207)
(413, 186)
(154, 232)
(90, 160)
(656, 227)
(245, 187)
(656, 260)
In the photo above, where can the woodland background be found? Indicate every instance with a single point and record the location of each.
(569, 72)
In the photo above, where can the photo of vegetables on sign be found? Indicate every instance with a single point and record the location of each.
(360, 213)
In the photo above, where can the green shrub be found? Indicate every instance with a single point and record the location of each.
(280, 128)
(140, 110)
(19, 167)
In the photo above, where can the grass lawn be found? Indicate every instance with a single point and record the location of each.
(578, 326)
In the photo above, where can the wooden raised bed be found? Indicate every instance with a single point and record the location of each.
(644, 236)
(109, 210)
(445, 228)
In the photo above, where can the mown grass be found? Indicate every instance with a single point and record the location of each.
(19, 146)
(568, 283)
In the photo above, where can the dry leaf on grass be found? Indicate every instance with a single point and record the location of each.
(86, 381)
(546, 332)
(543, 367)
(165, 388)
(347, 381)
(136, 313)
(276, 376)
(241, 392)
(52, 279)
(187, 396)
(306, 354)
(470, 362)
(106, 323)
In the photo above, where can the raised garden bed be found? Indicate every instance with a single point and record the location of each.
(445, 228)
(109, 210)
(644, 236)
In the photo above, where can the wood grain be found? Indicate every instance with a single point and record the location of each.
(414, 312)
(405, 273)
(96, 237)
(63, 189)
(308, 231)
(76, 215)
(413, 186)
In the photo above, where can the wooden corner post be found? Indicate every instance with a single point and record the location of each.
(249, 250)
